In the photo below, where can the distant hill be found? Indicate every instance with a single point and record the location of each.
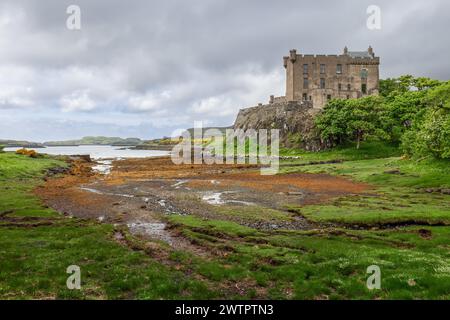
(166, 143)
(114, 141)
(221, 129)
(19, 143)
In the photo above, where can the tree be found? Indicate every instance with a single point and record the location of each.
(353, 120)
(430, 133)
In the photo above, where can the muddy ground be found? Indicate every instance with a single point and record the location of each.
(141, 193)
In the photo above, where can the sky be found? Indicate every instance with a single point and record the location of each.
(145, 68)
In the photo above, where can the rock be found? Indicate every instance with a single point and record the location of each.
(394, 171)
(445, 191)
(295, 120)
(84, 157)
(411, 282)
(118, 236)
(56, 170)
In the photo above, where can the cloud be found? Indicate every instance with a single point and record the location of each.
(164, 63)
(77, 101)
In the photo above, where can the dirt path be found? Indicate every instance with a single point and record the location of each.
(142, 193)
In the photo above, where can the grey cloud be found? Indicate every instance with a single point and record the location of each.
(189, 60)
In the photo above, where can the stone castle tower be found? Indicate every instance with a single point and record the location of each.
(315, 79)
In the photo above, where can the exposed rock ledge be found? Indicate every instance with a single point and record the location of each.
(295, 120)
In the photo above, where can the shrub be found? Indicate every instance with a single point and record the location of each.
(26, 152)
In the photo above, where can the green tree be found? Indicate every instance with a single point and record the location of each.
(353, 120)
(430, 133)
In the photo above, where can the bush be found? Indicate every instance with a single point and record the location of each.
(26, 152)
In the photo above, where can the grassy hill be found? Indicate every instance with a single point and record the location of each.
(20, 143)
(115, 141)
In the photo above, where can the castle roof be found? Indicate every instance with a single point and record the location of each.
(359, 54)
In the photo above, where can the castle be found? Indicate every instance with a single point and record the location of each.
(314, 79)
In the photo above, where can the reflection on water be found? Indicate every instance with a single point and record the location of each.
(99, 152)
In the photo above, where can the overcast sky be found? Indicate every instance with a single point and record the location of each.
(145, 68)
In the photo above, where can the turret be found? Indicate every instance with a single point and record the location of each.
(370, 51)
(293, 55)
(285, 61)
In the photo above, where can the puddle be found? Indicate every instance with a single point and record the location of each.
(106, 193)
(178, 184)
(103, 167)
(156, 230)
(215, 198)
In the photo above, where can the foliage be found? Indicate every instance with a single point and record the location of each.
(392, 87)
(353, 120)
(430, 134)
(26, 152)
(412, 111)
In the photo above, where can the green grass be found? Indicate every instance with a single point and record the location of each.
(34, 259)
(368, 150)
(243, 262)
(397, 194)
(332, 264)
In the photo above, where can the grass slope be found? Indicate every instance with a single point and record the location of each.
(34, 258)
(399, 194)
(319, 264)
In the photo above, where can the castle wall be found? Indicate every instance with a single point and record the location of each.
(336, 84)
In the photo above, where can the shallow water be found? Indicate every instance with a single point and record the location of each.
(99, 152)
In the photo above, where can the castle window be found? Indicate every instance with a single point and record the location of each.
(322, 68)
(305, 69)
(329, 97)
(339, 86)
(348, 97)
(305, 97)
(322, 83)
(349, 87)
(364, 88)
(310, 98)
(339, 69)
(364, 73)
(305, 83)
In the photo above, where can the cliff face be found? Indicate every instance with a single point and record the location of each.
(295, 120)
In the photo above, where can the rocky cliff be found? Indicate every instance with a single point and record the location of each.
(295, 120)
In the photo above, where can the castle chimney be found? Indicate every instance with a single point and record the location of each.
(370, 51)
(345, 50)
(272, 98)
(293, 55)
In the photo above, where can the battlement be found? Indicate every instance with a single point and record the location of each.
(351, 56)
